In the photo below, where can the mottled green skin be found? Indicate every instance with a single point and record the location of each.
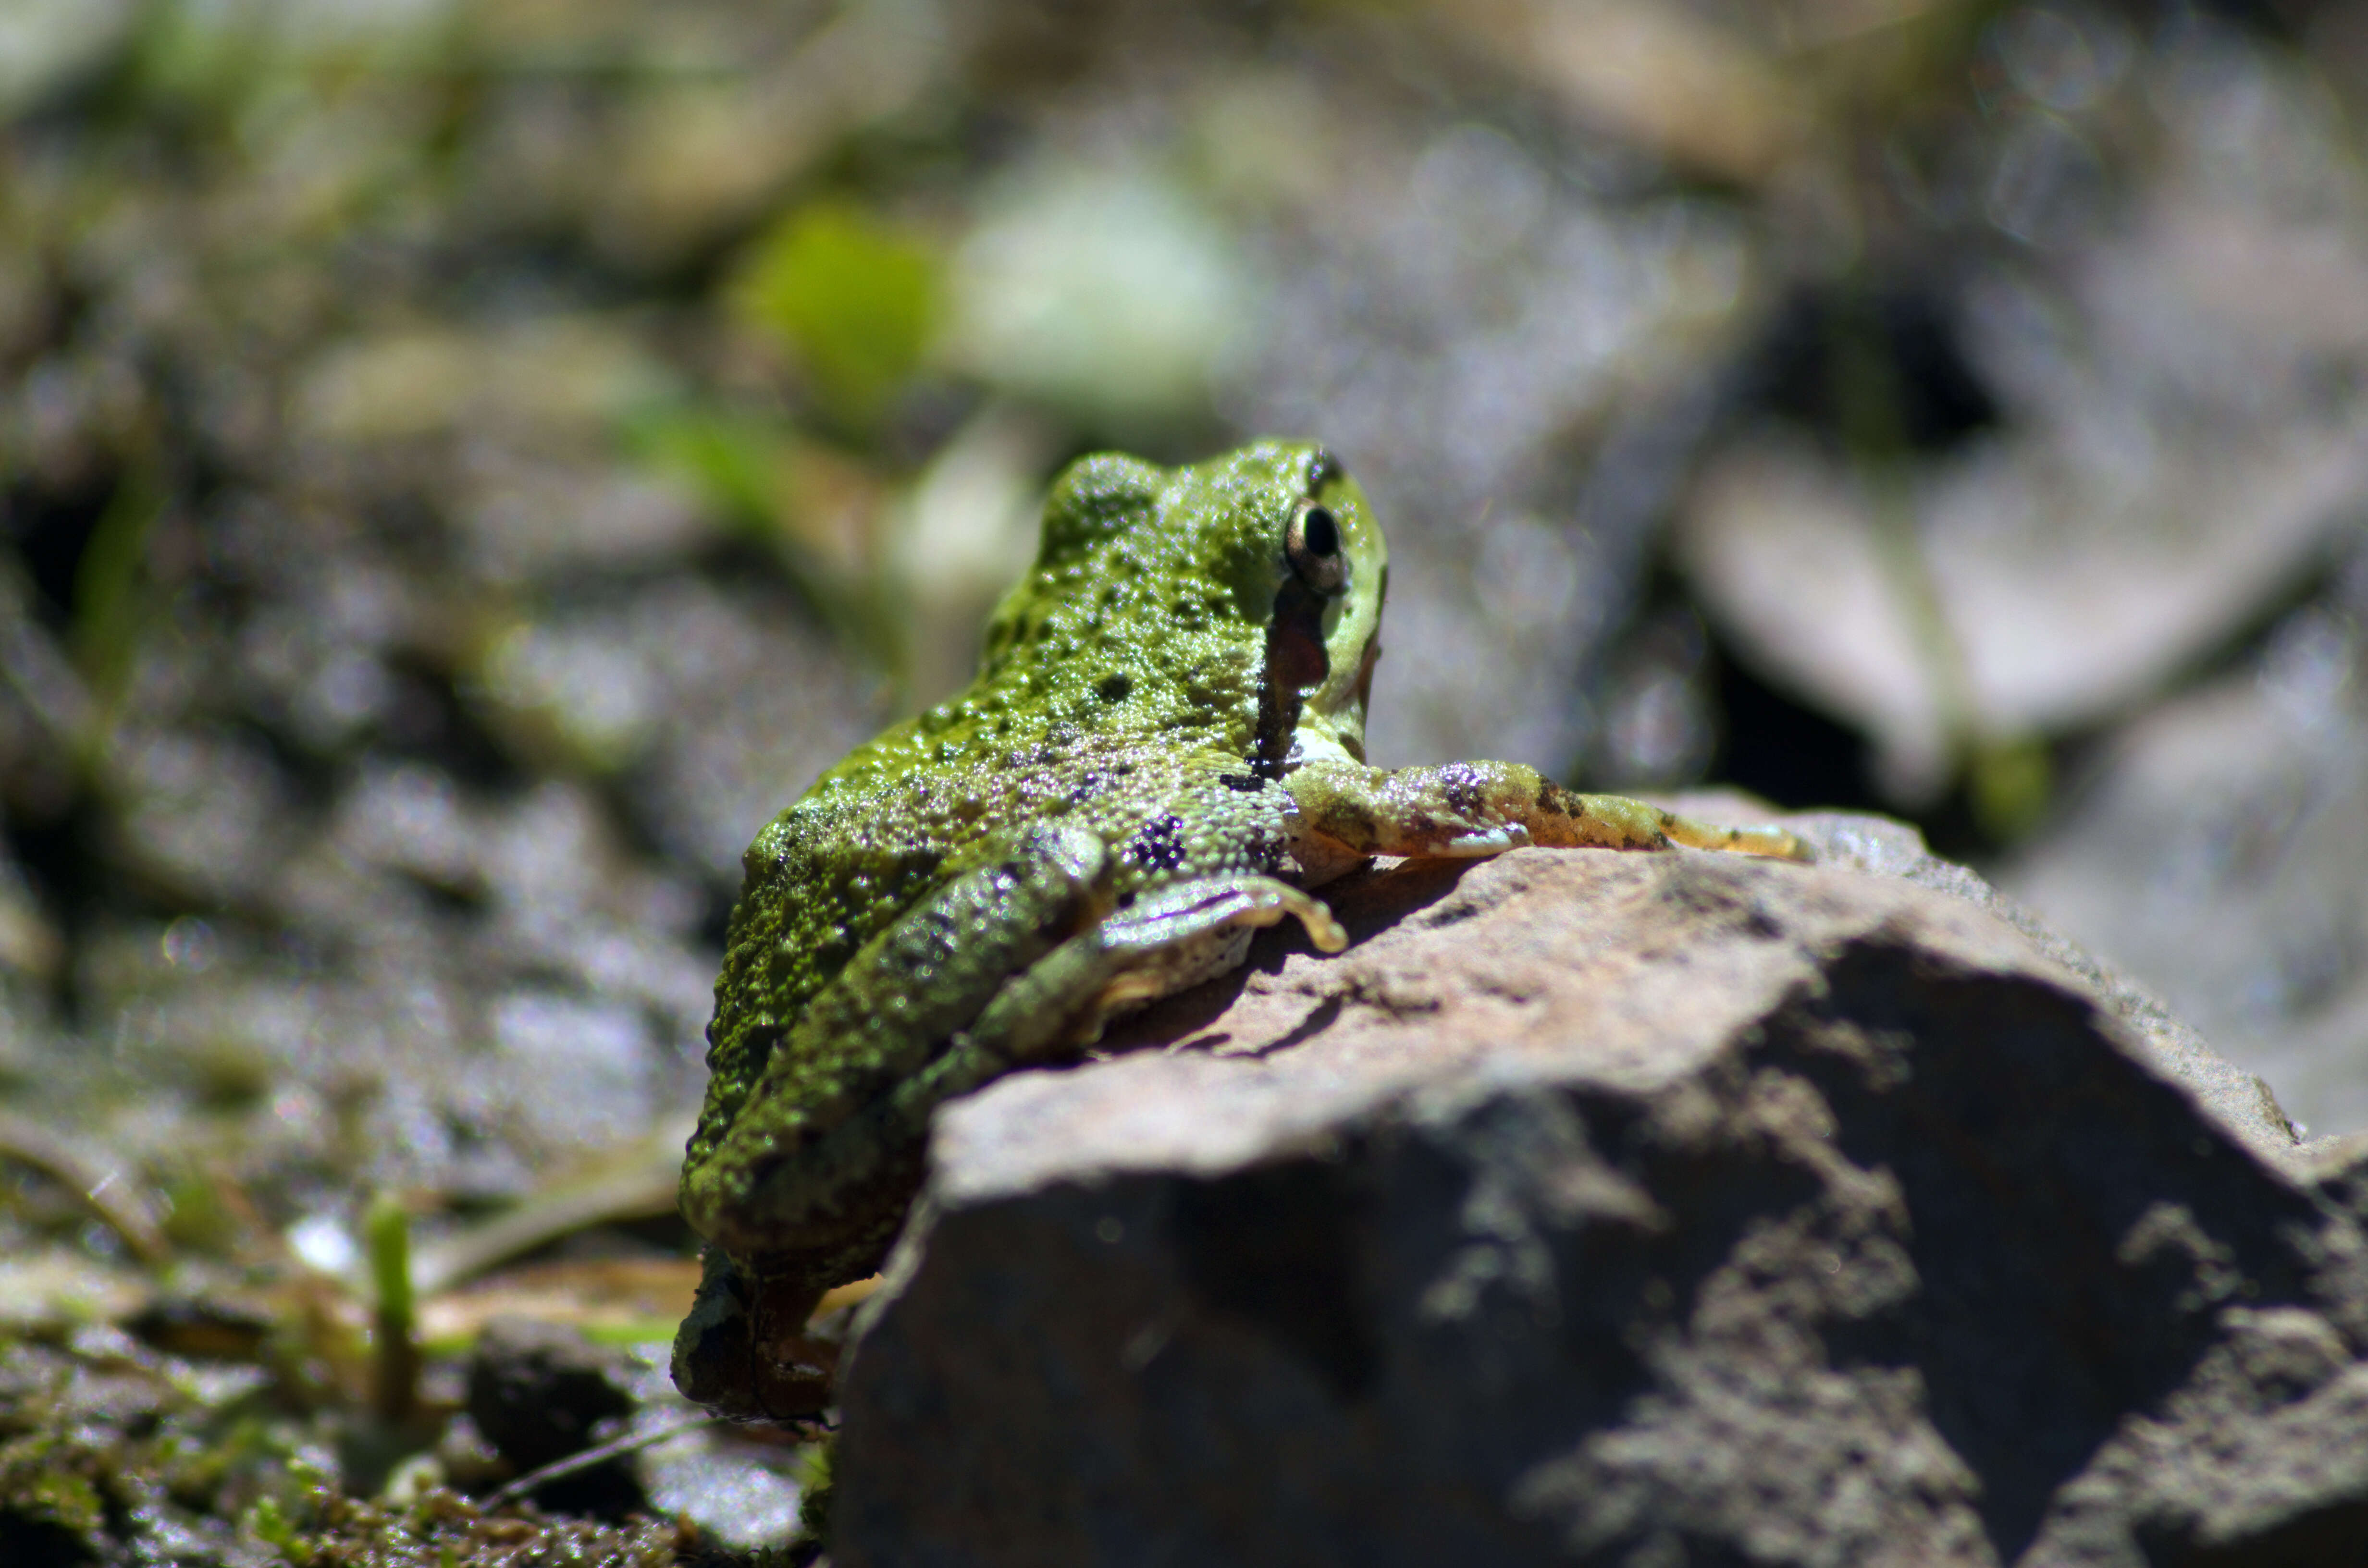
(1163, 748)
(1119, 693)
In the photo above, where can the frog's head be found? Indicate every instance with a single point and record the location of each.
(1309, 553)
(1245, 590)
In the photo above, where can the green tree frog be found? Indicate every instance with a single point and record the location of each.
(1163, 750)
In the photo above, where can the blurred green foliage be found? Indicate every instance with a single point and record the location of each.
(2011, 783)
(733, 459)
(855, 300)
(106, 597)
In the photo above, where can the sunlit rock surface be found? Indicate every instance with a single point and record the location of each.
(1610, 1209)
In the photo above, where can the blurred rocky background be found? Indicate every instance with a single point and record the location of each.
(464, 466)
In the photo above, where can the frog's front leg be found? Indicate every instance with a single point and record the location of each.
(1473, 809)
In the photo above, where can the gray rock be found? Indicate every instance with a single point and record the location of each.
(2242, 1101)
(1627, 1210)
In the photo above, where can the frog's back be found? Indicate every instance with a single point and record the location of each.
(1118, 688)
(872, 839)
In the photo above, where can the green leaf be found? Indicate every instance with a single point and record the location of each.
(855, 300)
(108, 583)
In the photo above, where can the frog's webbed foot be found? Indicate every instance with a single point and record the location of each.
(743, 1350)
(1475, 809)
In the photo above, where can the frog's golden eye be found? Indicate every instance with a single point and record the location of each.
(1312, 546)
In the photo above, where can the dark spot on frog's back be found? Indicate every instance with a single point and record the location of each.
(1242, 783)
(1114, 687)
(1356, 822)
(1159, 847)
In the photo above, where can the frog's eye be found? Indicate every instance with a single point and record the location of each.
(1312, 545)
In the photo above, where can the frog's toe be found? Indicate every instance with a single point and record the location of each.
(1196, 908)
(1773, 842)
(1317, 918)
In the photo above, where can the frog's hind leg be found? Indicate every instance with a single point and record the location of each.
(1473, 809)
(1016, 961)
(842, 1145)
(1169, 939)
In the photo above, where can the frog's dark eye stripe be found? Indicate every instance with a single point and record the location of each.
(1312, 545)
